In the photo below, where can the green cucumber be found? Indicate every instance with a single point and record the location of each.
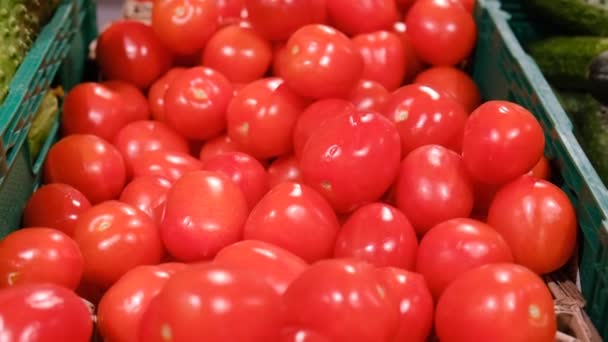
(586, 17)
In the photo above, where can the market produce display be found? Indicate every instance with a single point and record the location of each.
(249, 170)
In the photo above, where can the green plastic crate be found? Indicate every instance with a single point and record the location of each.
(504, 70)
(58, 54)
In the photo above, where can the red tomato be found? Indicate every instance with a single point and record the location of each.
(148, 194)
(337, 298)
(352, 159)
(379, 234)
(120, 310)
(314, 116)
(454, 82)
(362, 16)
(423, 117)
(115, 237)
(455, 246)
(214, 303)
(277, 266)
(321, 62)
(89, 164)
(245, 171)
(499, 302)
(383, 55)
(136, 104)
(302, 335)
(166, 164)
(442, 32)
(44, 313)
(413, 64)
(261, 118)
(92, 108)
(542, 169)
(280, 54)
(184, 26)
(40, 255)
(414, 301)
(205, 212)
(278, 20)
(55, 206)
(130, 51)
(239, 53)
(469, 5)
(294, 217)
(502, 141)
(217, 146)
(405, 5)
(538, 221)
(196, 102)
(369, 95)
(433, 187)
(230, 10)
(156, 94)
(284, 169)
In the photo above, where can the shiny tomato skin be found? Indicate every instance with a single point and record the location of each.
(538, 221)
(250, 309)
(308, 232)
(205, 212)
(498, 302)
(56, 206)
(413, 64)
(157, 91)
(454, 82)
(379, 234)
(278, 20)
(321, 62)
(502, 141)
(217, 146)
(184, 26)
(455, 246)
(277, 266)
(469, 5)
(40, 255)
(130, 51)
(239, 53)
(542, 169)
(262, 116)
(44, 313)
(230, 10)
(106, 234)
(169, 165)
(446, 24)
(148, 194)
(362, 16)
(433, 187)
(369, 95)
(284, 169)
(384, 57)
(340, 158)
(89, 164)
(414, 300)
(302, 335)
(135, 102)
(337, 297)
(424, 116)
(279, 57)
(196, 102)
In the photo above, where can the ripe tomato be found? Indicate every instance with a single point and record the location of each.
(89, 164)
(362, 16)
(148, 194)
(217, 146)
(379, 234)
(383, 55)
(295, 217)
(337, 298)
(498, 302)
(156, 94)
(261, 117)
(455, 246)
(454, 82)
(302, 335)
(169, 165)
(136, 104)
(414, 300)
(502, 141)
(44, 313)
(284, 169)
(120, 310)
(239, 53)
(279, 53)
(423, 117)
(230, 10)
(340, 158)
(55, 206)
(442, 32)
(40, 255)
(214, 303)
(469, 5)
(196, 102)
(92, 108)
(538, 221)
(433, 187)
(278, 20)
(204, 213)
(413, 64)
(321, 62)
(542, 169)
(184, 26)
(130, 51)
(107, 234)
(277, 266)
(244, 170)
(369, 95)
